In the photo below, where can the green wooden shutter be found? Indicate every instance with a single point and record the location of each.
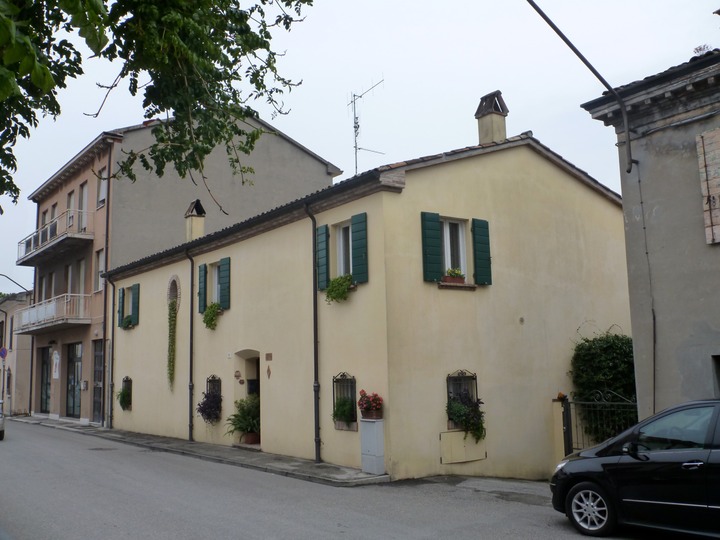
(135, 292)
(323, 256)
(358, 233)
(431, 246)
(481, 252)
(121, 306)
(202, 288)
(224, 282)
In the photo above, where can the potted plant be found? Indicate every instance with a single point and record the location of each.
(344, 410)
(210, 407)
(465, 413)
(210, 317)
(246, 419)
(124, 398)
(453, 275)
(371, 405)
(126, 323)
(338, 288)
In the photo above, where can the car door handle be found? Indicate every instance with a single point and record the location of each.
(692, 465)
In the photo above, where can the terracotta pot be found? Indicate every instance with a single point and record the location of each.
(374, 414)
(453, 279)
(251, 438)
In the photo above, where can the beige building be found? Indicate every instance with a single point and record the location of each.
(15, 379)
(88, 221)
(541, 246)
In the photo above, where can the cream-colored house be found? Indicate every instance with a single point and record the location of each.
(15, 378)
(541, 246)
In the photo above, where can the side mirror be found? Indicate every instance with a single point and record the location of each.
(632, 449)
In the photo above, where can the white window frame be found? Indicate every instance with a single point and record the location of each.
(447, 226)
(102, 186)
(344, 248)
(99, 283)
(213, 283)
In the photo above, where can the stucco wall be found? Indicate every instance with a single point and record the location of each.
(558, 273)
(663, 210)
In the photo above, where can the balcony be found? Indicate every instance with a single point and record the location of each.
(67, 232)
(60, 312)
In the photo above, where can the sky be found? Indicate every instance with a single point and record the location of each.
(430, 62)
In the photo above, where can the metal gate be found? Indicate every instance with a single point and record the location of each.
(603, 415)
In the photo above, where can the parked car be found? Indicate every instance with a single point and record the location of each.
(662, 473)
(2, 421)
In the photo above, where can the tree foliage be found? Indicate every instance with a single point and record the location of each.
(203, 60)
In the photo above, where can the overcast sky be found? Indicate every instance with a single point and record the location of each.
(436, 60)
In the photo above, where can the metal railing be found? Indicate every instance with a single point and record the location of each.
(604, 415)
(66, 307)
(69, 222)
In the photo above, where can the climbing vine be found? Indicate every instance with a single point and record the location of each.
(172, 334)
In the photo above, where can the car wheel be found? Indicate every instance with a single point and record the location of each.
(590, 510)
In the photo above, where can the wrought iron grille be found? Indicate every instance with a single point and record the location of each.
(344, 388)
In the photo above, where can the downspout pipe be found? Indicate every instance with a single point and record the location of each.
(621, 103)
(191, 411)
(316, 353)
(111, 368)
(107, 261)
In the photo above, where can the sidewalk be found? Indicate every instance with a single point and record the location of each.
(241, 456)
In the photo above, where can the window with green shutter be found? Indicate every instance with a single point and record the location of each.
(202, 288)
(481, 252)
(121, 307)
(322, 256)
(129, 306)
(223, 283)
(359, 250)
(432, 248)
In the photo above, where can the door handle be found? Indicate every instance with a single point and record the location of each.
(692, 465)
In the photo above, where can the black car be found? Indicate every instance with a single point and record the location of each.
(662, 473)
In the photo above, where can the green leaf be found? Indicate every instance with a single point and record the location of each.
(42, 78)
(14, 53)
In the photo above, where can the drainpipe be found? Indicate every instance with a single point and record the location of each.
(107, 260)
(191, 416)
(111, 368)
(316, 354)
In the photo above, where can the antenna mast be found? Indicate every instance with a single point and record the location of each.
(356, 122)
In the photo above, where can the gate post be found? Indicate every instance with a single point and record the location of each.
(567, 426)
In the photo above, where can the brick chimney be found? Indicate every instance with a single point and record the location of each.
(194, 221)
(490, 116)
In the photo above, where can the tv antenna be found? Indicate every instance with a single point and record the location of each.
(356, 123)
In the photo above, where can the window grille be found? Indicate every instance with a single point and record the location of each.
(344, 388)
(127, 387)
(213, 384)
(462, 384)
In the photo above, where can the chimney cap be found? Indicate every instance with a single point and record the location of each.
(492, 103)
(195, 209)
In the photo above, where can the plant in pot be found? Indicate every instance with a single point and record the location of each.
(370, 405)
(210, 407)
(211, 314)
(127, 322)
(124, 398)
(338, 289)
(465, 413)
(344, 410)
(453, 275)
(246, 419)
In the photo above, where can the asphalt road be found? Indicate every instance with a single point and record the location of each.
(57, 485)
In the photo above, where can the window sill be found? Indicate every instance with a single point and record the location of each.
(342, 426)
(457, 286)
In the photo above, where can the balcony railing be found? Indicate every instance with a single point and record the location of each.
(70, 223)
(66, 310)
